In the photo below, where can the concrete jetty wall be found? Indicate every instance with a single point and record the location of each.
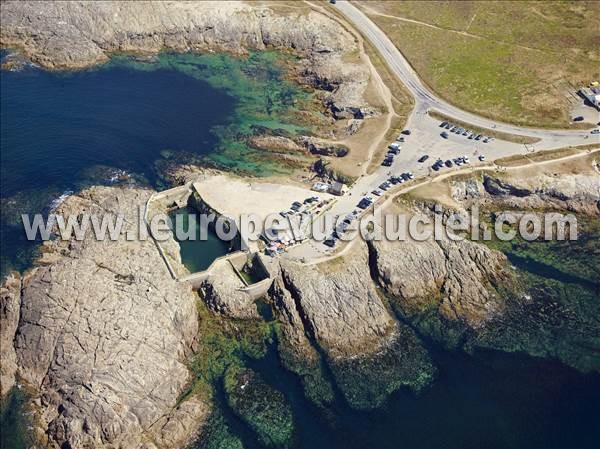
(183, 196)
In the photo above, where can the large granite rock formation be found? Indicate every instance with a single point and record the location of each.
(457, 279)
(337, 305)
(575, 192)
(104, 335)
(10, 304)
(80, 34)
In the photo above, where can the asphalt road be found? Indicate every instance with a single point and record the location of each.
(425, 139)
(425, 99)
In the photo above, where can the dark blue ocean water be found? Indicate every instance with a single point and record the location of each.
(60, 132)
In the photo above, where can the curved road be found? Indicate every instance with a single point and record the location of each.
(425, 99)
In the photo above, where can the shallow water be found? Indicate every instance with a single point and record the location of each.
(119, 122)
(486, 400)
(14, 421)
(64, 131)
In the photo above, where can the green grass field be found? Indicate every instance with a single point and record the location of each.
(512, 61)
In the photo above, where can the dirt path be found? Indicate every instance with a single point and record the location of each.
(491, 168)
(372, 11)
(381, 89)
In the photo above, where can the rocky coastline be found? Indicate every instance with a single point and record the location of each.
(95, 334)
(118, 353)
(77, 35)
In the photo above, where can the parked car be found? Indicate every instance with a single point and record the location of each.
(444, 135)
(448, 163)
(448, 126)
(478, 137)
(443, 124)
(595, 131)
(423, 158)
(579, 118)
(376, 192)
(364, 203)
(406, 132)
(482, 158)
(330, 242)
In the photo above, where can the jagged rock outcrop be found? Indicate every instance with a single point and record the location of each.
(578, 192)
(277, 144)
(222, 293)
(339, 304)
(10, 304)
(104, 335)
(457, 279)
(80, 34)
(370, 354)
(316, 146)
(293, 336)
(296, 352)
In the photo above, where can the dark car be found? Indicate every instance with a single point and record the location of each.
(443, 124)
(364, 203)
(579, 118)
(423, 158)
(329, 242)
(406, 132)
(444, 135)
(448, 163)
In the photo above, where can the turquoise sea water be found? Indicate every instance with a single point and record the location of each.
(61, 132)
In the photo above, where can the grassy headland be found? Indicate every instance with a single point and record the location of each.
(513, 61)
